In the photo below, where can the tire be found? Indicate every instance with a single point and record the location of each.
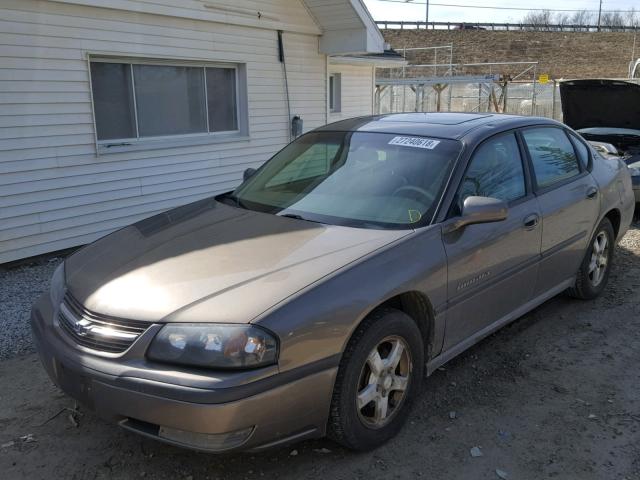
(588, 284)
(363, 427)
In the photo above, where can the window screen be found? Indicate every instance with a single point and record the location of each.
(221, 98)
(170, 100)
(113, 100)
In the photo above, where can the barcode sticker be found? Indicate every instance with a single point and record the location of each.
(416, 142)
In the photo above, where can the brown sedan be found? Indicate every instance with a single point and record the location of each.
(315, 297)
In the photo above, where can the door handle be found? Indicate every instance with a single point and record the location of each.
(531, 221)
(592, 192)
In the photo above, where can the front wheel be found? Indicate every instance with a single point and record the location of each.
(379, 376)
(593, 274)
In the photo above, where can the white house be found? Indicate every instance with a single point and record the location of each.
(113, 110)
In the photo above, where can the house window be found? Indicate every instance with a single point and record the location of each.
(334, 92)
(145, 100)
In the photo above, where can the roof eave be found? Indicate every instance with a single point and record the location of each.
(377, 61)
(336, 39)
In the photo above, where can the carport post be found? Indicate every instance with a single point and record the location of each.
(505, 92)
(553, 100)
(533, 94)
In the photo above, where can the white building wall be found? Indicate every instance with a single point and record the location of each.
(55, 191)
(357, 84)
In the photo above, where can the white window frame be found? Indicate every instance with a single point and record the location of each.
(168, 141)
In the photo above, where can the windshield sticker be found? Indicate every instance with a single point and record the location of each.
(414, 216)
(416, 142)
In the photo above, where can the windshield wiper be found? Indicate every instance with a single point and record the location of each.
(236, 201)
(298, 217)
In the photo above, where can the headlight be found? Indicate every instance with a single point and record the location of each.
(56, 290)
(214, 346)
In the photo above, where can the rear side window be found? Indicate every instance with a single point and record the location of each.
(552, 155)
(495, 171)
(581, 150)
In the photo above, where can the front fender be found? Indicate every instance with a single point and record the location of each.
(318, 322)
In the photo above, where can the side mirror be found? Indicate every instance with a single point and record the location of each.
(479, 210)
(248, 173)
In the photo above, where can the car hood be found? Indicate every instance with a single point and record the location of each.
(600, 103)
(210, 262)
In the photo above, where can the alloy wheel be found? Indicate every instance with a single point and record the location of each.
(599, 259)
(383, 382)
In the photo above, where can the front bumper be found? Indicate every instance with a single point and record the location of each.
(179, 409)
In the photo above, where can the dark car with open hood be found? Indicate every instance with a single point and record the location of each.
(607, 114)
(314, 298)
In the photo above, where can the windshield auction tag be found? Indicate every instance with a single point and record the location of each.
(416, 142)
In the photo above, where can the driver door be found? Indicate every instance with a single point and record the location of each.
(492, 267)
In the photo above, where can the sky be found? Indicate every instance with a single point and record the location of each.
(400, 10)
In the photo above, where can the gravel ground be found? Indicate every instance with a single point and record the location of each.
(554, 395)
(20, 286)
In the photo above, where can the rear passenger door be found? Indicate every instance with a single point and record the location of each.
(568, 197)
(492, 267)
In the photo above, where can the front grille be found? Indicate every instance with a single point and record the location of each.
(98, 332)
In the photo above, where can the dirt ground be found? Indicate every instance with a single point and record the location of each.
(554, 395)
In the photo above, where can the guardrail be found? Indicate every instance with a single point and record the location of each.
(401, 24)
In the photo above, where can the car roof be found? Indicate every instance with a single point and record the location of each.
(441, 125)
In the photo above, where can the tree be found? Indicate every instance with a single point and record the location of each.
(548, 20)
(539, 19)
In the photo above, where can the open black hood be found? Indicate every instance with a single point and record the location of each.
(600, 103)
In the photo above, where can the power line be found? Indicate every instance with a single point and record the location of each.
(505, 8)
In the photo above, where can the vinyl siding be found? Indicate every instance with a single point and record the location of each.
(356, 85)
(271, 14)
(55, 191)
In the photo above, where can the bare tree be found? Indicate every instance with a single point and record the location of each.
(583, 17)
(540, 19)
(580, 20)
(632, 17)
(611, 20)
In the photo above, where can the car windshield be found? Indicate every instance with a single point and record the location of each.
(360, 179)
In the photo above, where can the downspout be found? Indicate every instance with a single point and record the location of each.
(282, 59)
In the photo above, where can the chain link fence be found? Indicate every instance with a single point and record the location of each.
(521, 98)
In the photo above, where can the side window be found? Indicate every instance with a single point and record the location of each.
(495, 171)
(582, 150)
(552, 155)
(335, 92)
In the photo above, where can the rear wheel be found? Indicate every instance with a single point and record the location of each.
(593, 275)
(378, 378)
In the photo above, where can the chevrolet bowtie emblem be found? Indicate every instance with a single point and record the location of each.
(82, 327)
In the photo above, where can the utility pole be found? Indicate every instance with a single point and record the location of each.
(426, 15)
(599, 15)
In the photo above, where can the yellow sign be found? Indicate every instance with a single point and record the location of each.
(543, 78)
